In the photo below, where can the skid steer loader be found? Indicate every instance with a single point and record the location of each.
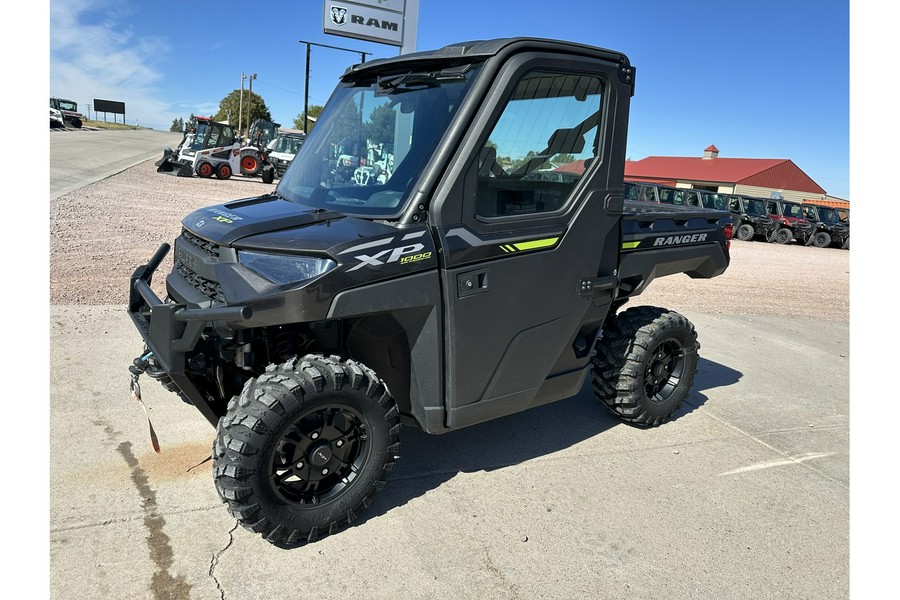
(208, 148)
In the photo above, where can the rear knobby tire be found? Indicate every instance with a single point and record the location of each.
(304, 447)
(645, 364)
(223, 171)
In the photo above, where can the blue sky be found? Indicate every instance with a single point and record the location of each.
(762, 79)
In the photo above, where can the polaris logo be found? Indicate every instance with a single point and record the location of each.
(680, 239)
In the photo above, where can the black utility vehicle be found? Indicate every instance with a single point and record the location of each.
(829, 228)
(471, 283)
(750, 217)
(790, 222)
(653, 192)
(705, 199)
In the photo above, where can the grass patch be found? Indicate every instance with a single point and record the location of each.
(109, 125)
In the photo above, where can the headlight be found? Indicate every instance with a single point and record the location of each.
(283, 268)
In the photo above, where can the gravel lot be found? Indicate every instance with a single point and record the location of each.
(101, 232)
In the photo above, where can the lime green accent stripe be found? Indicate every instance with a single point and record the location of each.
(630, 245)
(535, 244)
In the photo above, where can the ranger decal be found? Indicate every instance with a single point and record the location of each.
(680, 239)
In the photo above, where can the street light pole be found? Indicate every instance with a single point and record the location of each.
(306, 95)
(249, 98)
(362, 58)
(241, 104)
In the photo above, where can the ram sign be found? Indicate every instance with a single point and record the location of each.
(372, 20)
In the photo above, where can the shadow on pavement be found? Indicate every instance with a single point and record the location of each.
(427, 461)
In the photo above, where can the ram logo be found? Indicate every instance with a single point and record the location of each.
(338, 15)
(680, 239)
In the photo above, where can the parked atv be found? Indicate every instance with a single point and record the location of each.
(750, 217)
(306, 324)
(283, 148)
(830, 229)
(790, 222)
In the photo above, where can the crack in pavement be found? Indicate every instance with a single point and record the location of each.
(215, 560)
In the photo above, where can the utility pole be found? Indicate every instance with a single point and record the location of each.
(241, 104)
(249, 99)
(362, 58)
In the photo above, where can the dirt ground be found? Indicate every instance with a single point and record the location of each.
(100, 233)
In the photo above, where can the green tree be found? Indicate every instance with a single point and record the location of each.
(177, 124)
(231, 104)
(379, 129)
(314, 111)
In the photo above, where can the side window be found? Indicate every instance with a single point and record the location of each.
(631, 191)
(648, 194)
(541, 146)
(735, 205)
(227, 137)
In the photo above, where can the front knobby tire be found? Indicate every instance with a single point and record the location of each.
(644, 364)
(783, 236)
(745, 232)
(822, 240)
(304, 447)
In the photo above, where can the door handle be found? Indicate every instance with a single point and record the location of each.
(472, 282)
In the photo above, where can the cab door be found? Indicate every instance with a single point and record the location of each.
(529, 235)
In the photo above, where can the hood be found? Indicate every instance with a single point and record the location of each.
(226, 223)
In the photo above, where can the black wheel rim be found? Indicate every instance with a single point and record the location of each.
(319, 456)
(664, 371)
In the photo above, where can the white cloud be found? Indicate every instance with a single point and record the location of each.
(101, 57)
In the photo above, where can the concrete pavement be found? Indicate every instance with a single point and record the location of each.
(80, 157)
(744, 494)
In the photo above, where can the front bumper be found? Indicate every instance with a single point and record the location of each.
(172, 330)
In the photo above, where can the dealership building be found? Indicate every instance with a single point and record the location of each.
(758, 177)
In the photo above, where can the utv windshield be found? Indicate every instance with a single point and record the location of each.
(793, 211)
(373, 140)
(829, 216)
(713, 201)
(756, 208)
(287, 144)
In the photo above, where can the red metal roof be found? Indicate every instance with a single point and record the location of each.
(576, 166)
(777, 173)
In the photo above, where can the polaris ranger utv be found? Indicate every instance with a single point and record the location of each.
(790, 224)
(472, 283)
(829, 228)
(750, 217)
